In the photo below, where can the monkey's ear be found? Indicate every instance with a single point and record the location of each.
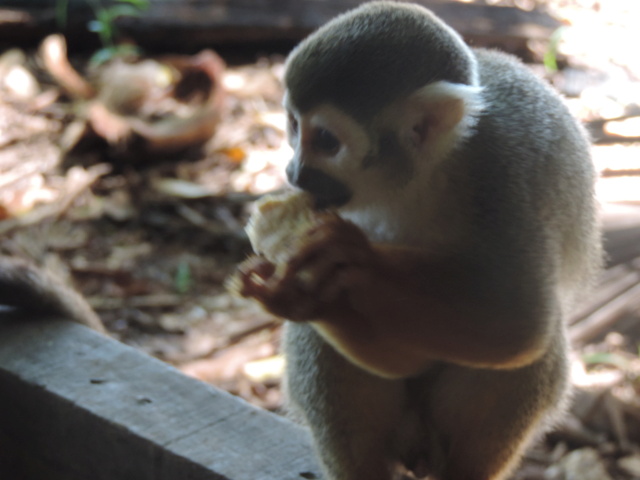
(442, 112)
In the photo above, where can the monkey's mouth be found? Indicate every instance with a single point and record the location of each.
(325, 189)
(323, 202)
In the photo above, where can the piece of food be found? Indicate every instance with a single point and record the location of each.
(276, 227)
(287, 234)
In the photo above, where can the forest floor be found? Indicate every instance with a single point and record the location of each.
(149, 233)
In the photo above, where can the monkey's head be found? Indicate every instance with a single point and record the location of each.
(375, 99)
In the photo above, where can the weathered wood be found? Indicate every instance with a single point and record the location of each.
(605, 317)
(618, 289)
(196, 24)
(600, 136)
(77, 405)
(613, 283)
(621, 223)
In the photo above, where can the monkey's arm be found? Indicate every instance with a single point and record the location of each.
(36, 291)
(393, 310)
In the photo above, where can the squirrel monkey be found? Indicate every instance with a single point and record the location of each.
(426, 332)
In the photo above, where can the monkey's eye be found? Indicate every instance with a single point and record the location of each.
(325, 141)
(293, 123)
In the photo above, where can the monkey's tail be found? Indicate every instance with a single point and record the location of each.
(35, 291)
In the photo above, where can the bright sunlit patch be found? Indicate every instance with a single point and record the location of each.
(233, 81)
(624, 128)
(271, 368)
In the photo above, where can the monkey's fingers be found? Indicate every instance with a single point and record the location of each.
(334, 239)
(308, 284)
(259, 266)
(328, 248)
(251, 273)
(259, 280)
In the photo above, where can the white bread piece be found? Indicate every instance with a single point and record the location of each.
(278, 221)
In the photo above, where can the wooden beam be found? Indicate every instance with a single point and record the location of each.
(194, 24)
(77, 405)
(621, 226)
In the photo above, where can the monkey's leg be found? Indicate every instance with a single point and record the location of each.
(487, 417)
(351, 413)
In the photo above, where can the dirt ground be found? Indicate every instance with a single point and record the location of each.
(149, 233)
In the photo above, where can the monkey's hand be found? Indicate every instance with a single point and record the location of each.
(311, 283)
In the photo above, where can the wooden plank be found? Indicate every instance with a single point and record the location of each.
(605, 317)
(618, 289)
(613, 283)
(79, 405)
(621, 225)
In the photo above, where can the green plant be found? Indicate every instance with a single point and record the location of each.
(605, 358)
(104, 24)
(551, 55)
(183, 279)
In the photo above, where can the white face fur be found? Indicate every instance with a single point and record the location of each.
(387, 184)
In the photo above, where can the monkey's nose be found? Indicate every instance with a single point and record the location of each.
(327, 190)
